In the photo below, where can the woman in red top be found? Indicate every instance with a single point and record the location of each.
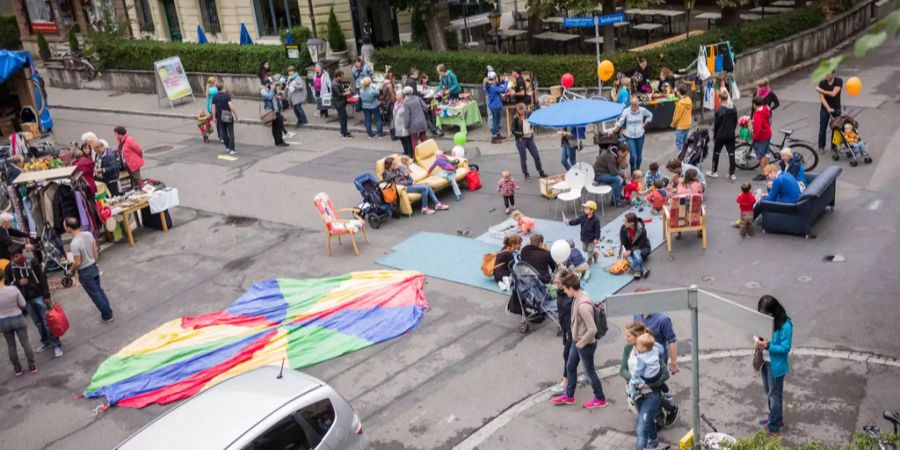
(85, 165)
(762, 134)
(132, 155)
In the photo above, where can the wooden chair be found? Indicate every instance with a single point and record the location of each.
(684, 213)
(335, 226)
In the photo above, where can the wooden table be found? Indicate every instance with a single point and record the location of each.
(648, 27)
(126, 212)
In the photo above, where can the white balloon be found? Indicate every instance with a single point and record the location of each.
(458, 151)
(560, 251)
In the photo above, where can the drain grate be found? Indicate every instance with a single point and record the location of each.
(611, 335)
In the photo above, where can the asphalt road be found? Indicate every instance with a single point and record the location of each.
(253, 219)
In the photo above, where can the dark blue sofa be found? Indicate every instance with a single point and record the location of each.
(798, 218)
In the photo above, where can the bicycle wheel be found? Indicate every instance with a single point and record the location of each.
(808, 156)
(745, 157)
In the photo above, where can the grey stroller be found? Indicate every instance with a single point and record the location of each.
(530, 297)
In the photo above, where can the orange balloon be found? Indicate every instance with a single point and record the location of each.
(854, 85)
(605, 70)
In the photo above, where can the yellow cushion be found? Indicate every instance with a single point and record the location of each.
(425, 153)
(437, 183)
(417, 173)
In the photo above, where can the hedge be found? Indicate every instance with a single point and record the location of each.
(209, 58)
(9, 33)
(470, 66)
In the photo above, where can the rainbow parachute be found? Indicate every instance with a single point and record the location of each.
(303, 322)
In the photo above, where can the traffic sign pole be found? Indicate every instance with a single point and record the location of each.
(695, 362)
(597, 44)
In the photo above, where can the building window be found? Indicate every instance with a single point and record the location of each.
(144, 16)
(275, 15)
(40, 16)
(210, 16)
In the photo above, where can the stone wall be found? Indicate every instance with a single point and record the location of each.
(144, 82)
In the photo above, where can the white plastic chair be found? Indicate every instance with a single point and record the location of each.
(599, 190)
(576, 178)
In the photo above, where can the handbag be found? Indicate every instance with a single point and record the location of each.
(618, 267)
(267, 117)
(57, 320)
(757, 359)
(227, 116)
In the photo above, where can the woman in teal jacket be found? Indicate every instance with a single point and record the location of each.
(448, 82)
(775, 361)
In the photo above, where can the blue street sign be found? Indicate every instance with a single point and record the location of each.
(612, 18)
(578, 22)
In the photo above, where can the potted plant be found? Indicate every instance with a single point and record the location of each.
(73, 42)
(43, 46)
(336, 39)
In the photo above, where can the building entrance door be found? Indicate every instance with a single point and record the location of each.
(172, 20)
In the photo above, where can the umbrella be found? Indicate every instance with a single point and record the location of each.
(288, 38)
(245, 35)
(575, 113)
(201, 36)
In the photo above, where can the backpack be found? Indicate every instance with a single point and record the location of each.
(473, 180)
(600, 319)
(618, 267)
(488, 262)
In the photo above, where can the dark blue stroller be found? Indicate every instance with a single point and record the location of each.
(373, 207)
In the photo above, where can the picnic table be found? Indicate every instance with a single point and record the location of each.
(512, 35)
(562, 38)
(594, 40)
(647, 27)
(711, 16)
(770, 9)
(784, 3)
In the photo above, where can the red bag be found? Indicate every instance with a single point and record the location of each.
(473, 180)
(57, 320)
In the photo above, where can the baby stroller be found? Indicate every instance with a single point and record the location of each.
(695, 148)
(839, 143)
(52, 255)
(530, 298)
(373, 208)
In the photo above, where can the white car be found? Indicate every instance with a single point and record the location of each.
(254, 411)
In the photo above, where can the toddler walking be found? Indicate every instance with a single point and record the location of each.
(647, 370)
(448, 171)
(746, 200)
(507, 187)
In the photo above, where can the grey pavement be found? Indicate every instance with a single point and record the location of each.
(466, 375)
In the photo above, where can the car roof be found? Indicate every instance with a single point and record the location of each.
(221, 414)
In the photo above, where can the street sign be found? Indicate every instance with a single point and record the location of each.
(612, 18)
(647, 302)
(578, 22)
(743, 318)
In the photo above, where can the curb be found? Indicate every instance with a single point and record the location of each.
(506, 416)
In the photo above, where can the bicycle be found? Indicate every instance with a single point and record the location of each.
(874, 432)
(745, 156)
(72, 61)
(712, 441)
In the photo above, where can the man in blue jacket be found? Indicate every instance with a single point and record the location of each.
(495, 90)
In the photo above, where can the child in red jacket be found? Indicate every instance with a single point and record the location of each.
(762, 134)
(746, 200)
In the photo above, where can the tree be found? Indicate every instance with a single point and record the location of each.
(889, 26)
(436, 37)
(336, 39)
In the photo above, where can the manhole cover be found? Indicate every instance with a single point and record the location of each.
(707, 278)
(239, 221)
(611, 335)
(159, 148)
(753, 285)
(804, 278)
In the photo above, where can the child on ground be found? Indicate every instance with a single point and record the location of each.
(647, 370)
(448, 171)
(590, 230)
(652, 175)
(507, 187)
(524, 224)
(576, 262)
(633, 189)
(657, 197)
(853, 140)
(746, 200)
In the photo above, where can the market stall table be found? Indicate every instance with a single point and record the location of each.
(461, 114)
(158, 202)
(662, 111)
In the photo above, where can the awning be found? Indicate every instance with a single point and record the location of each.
(575, 113)
(11, 62)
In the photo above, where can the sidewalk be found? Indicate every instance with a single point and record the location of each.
(248, 110)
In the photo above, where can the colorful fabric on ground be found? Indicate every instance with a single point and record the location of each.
(302, 322)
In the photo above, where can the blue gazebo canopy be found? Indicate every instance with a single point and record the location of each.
(575, 113)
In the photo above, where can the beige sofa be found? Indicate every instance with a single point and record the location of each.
(424, 158)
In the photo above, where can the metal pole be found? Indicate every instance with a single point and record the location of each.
(695, 363)
(597, 45)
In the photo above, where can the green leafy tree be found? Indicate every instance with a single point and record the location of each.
(884, 28)
(428, 8)
(336, 38)
(73, 42)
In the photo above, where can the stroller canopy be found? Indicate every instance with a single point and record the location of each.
(576, 113)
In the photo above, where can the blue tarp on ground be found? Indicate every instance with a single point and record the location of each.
(13, 61)
(575, 113)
